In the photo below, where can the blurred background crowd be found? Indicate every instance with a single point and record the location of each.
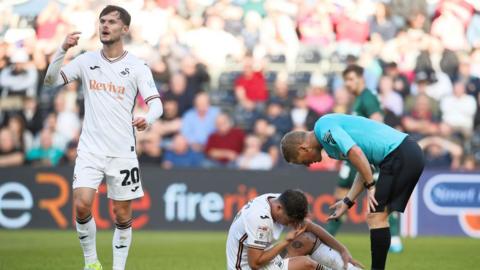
(235, 75)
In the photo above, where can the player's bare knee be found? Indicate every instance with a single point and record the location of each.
(82, 207)
(122, 213)
(82, 201)
(302, 245)
(377, 220)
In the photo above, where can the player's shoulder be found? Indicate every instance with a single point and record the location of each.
(90, 54)
(259, 210)
(86, 56)
(135, 61)
(368, 96)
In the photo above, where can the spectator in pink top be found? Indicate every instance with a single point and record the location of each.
(48, 21)
(315, 25)
(318, 97)
(351, 26)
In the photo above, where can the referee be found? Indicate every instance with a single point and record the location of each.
(362, 142)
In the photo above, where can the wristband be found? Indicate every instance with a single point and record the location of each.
(369, 185)
(348, 202)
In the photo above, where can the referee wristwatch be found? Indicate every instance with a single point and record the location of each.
(369, 185)
(348, 202)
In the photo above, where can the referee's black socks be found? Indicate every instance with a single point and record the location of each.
(379, 243)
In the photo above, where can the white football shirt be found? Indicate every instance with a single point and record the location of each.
(253, 227)
(110, 88)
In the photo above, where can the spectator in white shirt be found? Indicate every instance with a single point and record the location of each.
(389, 98)
(20, 78)
(458, 111)
(252, 158)
(68, 123)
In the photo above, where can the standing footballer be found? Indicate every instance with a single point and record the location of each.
(362, 142)
(111, 79)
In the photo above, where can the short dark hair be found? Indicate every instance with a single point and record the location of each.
(290, 143)
(123, 14)
(295, 204)
(358, 70)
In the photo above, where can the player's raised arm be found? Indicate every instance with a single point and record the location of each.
(54, 69)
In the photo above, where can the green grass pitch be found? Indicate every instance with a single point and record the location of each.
(49, 249)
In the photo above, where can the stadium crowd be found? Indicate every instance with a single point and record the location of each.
(235, 75)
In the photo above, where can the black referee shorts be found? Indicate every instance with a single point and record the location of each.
(399, 173)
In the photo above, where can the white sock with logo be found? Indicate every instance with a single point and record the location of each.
(86, 231)
(122, 238)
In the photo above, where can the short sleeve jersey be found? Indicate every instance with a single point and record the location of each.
(366, 104)
(253, 227)
(110, 88)
(338, 133)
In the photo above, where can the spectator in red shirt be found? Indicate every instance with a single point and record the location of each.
(250, 87)
(251, 94)
(225, 144)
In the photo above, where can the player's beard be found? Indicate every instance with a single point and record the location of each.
(110, 41)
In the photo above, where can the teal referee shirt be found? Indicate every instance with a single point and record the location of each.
(337, 133)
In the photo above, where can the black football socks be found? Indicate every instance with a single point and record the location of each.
(380, 243)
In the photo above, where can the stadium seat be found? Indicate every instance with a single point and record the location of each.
(310, 56)
(227, 79)
(270, 76)
(224, 97)
(277, 58)
(302, 77)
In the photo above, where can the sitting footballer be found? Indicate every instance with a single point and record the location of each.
(250, 243)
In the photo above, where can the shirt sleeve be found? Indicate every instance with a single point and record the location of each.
(187, 126)
(155, 110)
(371, 105)
(239, 82)
(343, 141)
(71, 71)
(145, 84)
(258, 232)
(58, 74)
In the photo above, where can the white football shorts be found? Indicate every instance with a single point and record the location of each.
(122, 175)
